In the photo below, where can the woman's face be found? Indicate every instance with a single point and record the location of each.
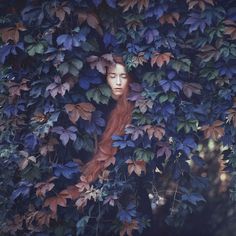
(117, 79)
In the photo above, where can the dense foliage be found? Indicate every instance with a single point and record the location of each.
(182, 54)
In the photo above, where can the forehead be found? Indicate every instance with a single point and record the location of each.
(116, 69)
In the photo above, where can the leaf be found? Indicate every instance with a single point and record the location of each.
(48, 147)
(209, 52)
(134, 131)
(81, 224)
(144, 104)
(59, 200)
(61, 10)
(181, 64)
(100, 63)
(57, 87)
(156, 131)
(83, 110)
(143, 154)
(65, 134)
(213, 131)
(128, 227)
(161, 58)
(126, 4)
(15, 89)
(136, 166)
(164, 149)
(139, 59)
(126, 215)
(100, 94)
(193, 198)
(200, 3)
(12, 33)
(153, 76)
(92, 20)
(190, 88)
(43, 187)
(67, 170)
(73, 67)
(230, 28)
(170, 18)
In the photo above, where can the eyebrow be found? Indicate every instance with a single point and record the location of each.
(115, 73)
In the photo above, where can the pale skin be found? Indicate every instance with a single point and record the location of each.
(117, 80)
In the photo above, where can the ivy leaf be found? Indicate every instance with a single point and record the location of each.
(201, 4)
(134, 131)
(197, 21)
(91, 19)
(126, 215)
(61, 10)
(143, 154)
(182, 64)
(126, 4)
(100, 94)
(164, 149)
(156, 131)
(74, 40)
(153, 76)
(122, 142)
(48, 147)
(160, 58)
(59, 200)
(57, 87)
(23, 190)
(83, 110)
(214, 131)
(12, 33)
(144, 104)
(193, 198)
(170, 18)
(135, 93)
(100, 63)
(65, 134)
(136, 166)
(43, 187)
(73, 67)
(67, 170)
(190, 88)
(89, 77)
(94, 125)
(187, 145)
(15, 89)
(151, 35)
(128, 227)
(230, 28)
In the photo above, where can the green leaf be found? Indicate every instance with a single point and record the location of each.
(163, 98)
(152, 77)
(209, 73)
(143, 154)
(101, 94)
(181, 64)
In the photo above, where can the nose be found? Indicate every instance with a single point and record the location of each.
(118, 80)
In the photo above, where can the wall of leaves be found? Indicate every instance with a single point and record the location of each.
(53, 55)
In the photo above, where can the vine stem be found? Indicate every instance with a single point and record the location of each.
(97, 226)
(173, 203)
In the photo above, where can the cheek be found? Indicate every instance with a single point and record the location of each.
(109, 82)
(125, 83)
